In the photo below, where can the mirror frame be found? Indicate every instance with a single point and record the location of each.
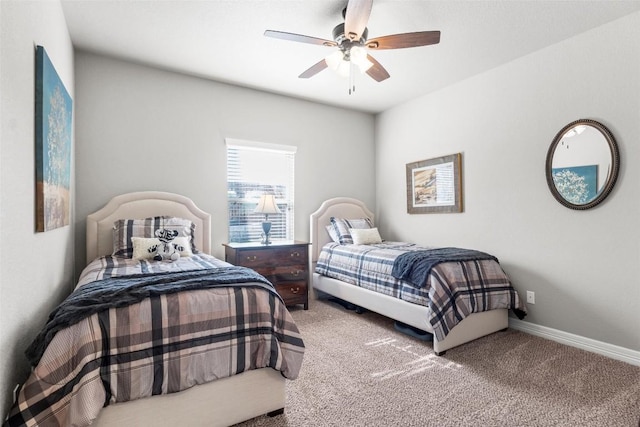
(615, 164)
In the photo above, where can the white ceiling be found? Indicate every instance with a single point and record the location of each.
(223, 40)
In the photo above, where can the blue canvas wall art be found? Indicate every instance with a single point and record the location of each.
(577, 184)
(53, 123)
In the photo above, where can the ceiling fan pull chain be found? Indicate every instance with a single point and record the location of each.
(350, 76)
(352, 79)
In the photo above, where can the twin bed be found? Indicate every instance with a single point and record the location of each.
(464, 327)
(201, 357)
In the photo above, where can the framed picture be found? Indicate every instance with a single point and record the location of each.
(53, 118)
(435, 185)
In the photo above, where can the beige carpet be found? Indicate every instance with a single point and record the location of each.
(359, 371)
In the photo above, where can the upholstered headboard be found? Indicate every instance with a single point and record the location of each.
(140, 205)
(339, 207)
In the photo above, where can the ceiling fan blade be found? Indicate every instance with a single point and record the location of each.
(314, 69)
(299, 38)
(377, 71)
(399, 41)
(356, 18)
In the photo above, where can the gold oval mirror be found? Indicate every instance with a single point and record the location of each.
(582, 164)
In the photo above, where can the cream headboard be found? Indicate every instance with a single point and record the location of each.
(140, 205)
(339, 207)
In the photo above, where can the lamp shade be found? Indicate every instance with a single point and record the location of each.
(267, 205)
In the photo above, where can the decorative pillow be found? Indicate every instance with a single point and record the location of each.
(125, 229)
(141, 246)
(185, 242)
(342, 227)
(332, 233)
(365, 236)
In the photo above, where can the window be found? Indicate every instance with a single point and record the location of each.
(254, 169)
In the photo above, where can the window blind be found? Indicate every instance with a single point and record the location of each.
(254, 169)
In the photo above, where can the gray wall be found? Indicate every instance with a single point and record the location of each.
(36, 269)
(140, 128)
(583, 266)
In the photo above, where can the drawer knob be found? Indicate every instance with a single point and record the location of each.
(295, 253)
(252, 258)
(295, 290)
(295, 273)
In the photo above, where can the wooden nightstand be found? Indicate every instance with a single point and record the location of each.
(283, 263)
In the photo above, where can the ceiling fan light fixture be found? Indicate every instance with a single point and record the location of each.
(333, 61)
(337, 62)
(344, 69)
(340, 62)
(358, 56)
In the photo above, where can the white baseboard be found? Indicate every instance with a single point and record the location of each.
(588, 344)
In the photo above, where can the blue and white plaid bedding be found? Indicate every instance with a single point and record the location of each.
(452, 292)
(369, 266)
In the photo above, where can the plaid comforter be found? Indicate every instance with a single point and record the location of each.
(452, 292)
(162, 344)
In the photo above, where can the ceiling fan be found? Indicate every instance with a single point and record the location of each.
(351, 39)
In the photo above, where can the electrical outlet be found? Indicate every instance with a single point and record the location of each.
(531, 297)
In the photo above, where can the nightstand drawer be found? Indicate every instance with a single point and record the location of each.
(273, 257)
(293, 292)
(284, 274)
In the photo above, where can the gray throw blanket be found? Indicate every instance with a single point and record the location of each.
(414, 267)
(121, 291)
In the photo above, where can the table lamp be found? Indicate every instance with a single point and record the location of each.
(267, 205)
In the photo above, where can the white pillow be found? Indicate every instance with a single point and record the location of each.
(365, 236)
(141, 246)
